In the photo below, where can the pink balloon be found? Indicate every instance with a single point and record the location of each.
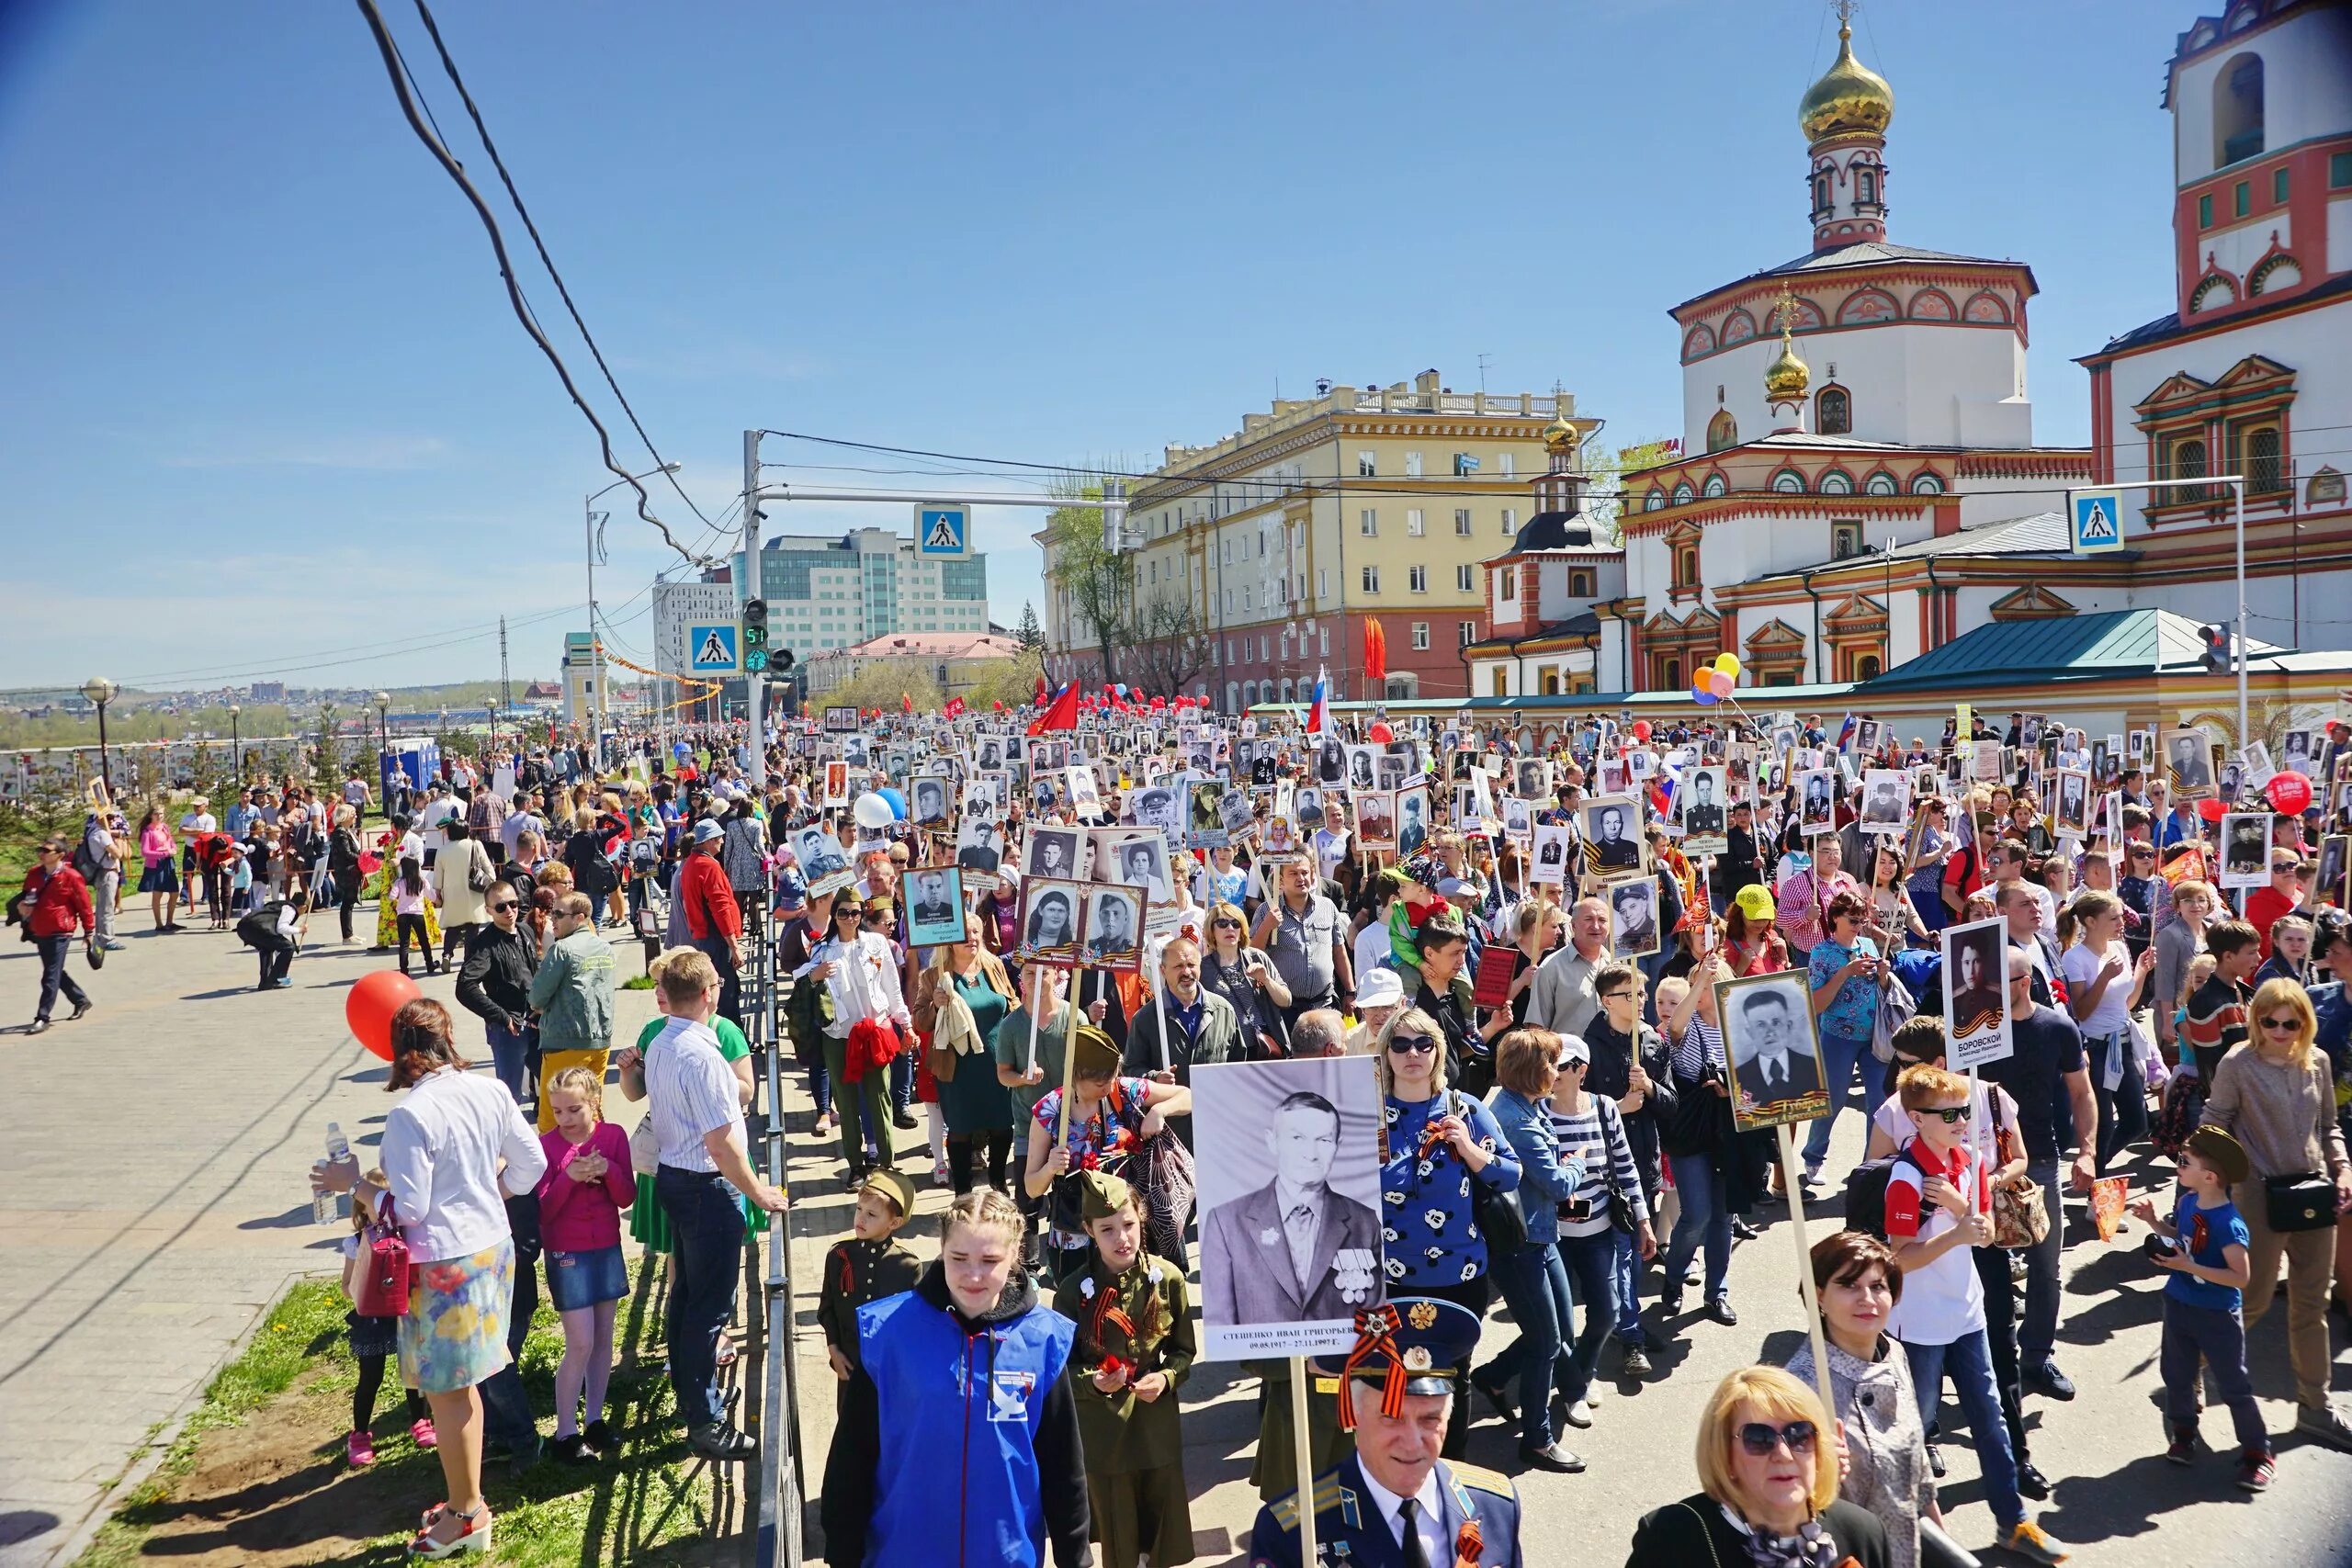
(1721, 682)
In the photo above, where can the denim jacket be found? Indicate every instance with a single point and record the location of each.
(1543, 1182)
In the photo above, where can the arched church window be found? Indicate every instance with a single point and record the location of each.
(2237, 111)
(1927, 484)
(1655, 501)
(1881, 483)
(1683, 493)
(1788, 481)
(1722, 431)
(1714, 486)
(1866, 186)
(2187, 463)
(1835, 483)
(1835, 415)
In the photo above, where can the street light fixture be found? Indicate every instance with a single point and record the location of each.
(101, 691)
(595, 644)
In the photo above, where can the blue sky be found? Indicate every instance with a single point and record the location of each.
(267, 412)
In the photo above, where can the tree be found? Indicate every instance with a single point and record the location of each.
(1605, 479)
(1030, 635)
(1008, 680)
(884, 684)
(1172, 644)
(1100, 582)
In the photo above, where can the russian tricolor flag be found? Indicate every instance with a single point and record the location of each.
(1318, 713)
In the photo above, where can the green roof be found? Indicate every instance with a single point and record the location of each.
(2066, 647)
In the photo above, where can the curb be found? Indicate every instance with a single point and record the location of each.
(145, 1462)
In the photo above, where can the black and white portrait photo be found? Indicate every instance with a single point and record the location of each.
(1551, 861)
(2334, 859)
(979, 842)
(1702, 800)
(1085, 799)
(1363, 767)
(2190, 758)
(1632, 916)
(1049, 912)
(991, 752)
(931, 800)
(1816, 801)
(1869, 734)
(1518, 818)
(1161, 806)
(1766, 1021)
(820, 856)
(1291, 1221)
(1234, 813)
(1205, 822)
(1976, 989)
(934, 905)
(1330, 763)
(1135, 855)
(2074, 813)
(1376, 820)
(1530, 778)
(853, 750)
(1048, 756)
(1114, 916)
(1612, 835)
(2295, 751)
(1412, 818)
(1390, 769)
(1052, 853)
(2245, 848)
(1307, 806)
(1886, 800)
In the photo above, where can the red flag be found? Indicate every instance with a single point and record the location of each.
(1061, 714)
(907, 701)
(1375, 651)
(955, 708)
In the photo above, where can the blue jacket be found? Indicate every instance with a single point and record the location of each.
(1349, 1529)
(1544, 1184)
(958, 1444)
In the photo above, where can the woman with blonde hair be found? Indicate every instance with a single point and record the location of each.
(1768, 1487)
(2276, 1095)
(961, 997)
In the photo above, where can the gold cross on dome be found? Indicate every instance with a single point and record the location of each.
(1786, 305)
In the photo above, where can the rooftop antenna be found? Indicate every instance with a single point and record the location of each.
(1482, 370)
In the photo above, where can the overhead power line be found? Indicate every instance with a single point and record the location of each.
(396, 68)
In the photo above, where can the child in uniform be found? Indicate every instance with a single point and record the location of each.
(872, 1264)
(1134, 1348)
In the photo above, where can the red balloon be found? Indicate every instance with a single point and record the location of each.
(2212, 810)
(1381, 733)
(369, 1006)
(2290, 792)
(1641, 729)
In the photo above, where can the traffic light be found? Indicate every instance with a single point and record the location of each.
(2217, 649)
(755, 636)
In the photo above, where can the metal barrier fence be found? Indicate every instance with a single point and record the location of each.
(775, 1539)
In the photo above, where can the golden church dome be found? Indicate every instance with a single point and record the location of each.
(1560, 435)
(1851, 97)
(1786, 379)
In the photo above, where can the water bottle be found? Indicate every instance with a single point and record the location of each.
(323, 1204)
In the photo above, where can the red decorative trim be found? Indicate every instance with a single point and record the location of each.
(1921, 311)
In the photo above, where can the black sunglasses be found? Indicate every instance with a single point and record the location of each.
(1412, 1044)
(1759, 1438)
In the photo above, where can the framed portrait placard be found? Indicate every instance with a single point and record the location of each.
(1769, 1043)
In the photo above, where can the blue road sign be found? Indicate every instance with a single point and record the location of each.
(2094, 520)
(710, 649)
(943, 530)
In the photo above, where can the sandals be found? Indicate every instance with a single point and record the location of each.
(476, 1536)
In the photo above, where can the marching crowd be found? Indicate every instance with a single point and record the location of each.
(1544, 952)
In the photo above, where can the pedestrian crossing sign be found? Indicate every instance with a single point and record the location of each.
(2096, 516)
(943, 530)
(710, 649)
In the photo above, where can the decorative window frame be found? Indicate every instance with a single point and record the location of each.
(2001, 316)
(1820, 405)
(1723, 431)
(1716, 485)
(1881, 482)
(1835, 482)
(1849, 308)
(1796, 482)
(1921, 311)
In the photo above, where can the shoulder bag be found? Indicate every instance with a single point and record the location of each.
(478, 874)
(384, 1289)
(2304, 1201)
(1500, 1218)
(2021, 1214)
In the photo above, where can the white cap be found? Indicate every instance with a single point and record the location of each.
(1379, 988)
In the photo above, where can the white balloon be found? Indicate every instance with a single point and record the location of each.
(873, 813)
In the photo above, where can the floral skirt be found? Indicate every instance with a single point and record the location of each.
(455, 1334)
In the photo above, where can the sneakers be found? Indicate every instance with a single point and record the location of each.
(1637, 1362)
(2030, 1541)
(2046, 1378)
(2181, 1446)
(2326, 1423)
(720, 1441)
(361, 1450)
(421, 1432)
(1741, 1230)
(2255, 1469)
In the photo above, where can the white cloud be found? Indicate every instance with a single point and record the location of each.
(370, 454)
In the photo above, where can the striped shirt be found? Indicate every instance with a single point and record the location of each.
(689, 1092)
(1595, 1157)
(1700, 1047)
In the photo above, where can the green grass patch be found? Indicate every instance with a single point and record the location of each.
(637, 982)
(22, 830)
(293, 1384)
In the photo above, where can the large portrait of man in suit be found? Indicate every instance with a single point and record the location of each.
(1768, 1035)
(1290, 1191)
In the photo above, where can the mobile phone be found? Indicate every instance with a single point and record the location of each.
(1575, 1209)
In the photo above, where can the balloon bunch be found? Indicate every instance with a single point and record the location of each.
(1716, 682)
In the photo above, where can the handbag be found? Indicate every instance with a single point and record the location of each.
(1496, 1211)
(2304, 1201)
(644, 1147)
(2021, 1214)
(384, 1289)
(479, 875)
(1896, 1008)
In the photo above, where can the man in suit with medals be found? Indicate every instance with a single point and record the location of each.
(1293, 1251)
(1393, 1503)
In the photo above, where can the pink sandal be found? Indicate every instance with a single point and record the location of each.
(422, 1430)
(359, 1449)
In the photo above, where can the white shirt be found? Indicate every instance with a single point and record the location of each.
(1372, 950)
(442, 1145)
(2081, 966)
(1330, 848)
(1435, 1547)
(690, 1092)
(864, 981)
(411, 848)
(198, 822)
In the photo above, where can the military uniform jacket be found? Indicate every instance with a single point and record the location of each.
(1350, 1532)
(1116, 1316)
(857, 1272)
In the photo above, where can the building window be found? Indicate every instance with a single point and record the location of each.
(2339, 171)
(1722, 431)
(1821, 194)
(1866, 666)
(1580, 585)
(2205, 210)
(1788, 481)
(1468, 632)
(1417, 578)
(2241, 197)
(1322, 582)
(1511, 521)
(2278, 185)
(1367, 466)
(1683, 493)
(2264, 472)
(1686, 566)
(1667, 673)
(1836, 412)
(1412, 464)
(1866, 188)
(1421, 636)
(1245, 598)
(1655, 501)
(1465, 466)
(1464, 581)
(2187, 461)
(1371, 580)
(1508, 464)
(1548, 682)
(1506, 583)
(1499, 682)
(1414, 523)
(2237, 112)
(1714, 486)
(1323, 641)
(1462, 522)
(1836, 482)
(1879, 483)
(1368, 521)
(1845, 539)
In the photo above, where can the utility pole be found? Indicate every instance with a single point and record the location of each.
(505, 683)
(754, 683)
(596, 644)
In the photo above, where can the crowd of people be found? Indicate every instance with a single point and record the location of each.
(1590, 984)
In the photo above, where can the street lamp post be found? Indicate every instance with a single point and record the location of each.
(595, 642)
(101, 691)
(383, 704)
(236, 749)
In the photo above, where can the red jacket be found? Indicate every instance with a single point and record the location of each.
(709, 899)
(57, 903)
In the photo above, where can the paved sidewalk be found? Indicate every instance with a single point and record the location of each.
(151, 1208)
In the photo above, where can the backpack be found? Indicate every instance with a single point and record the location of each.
(85, 864)
(1866, 1191)
(807, 1008)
